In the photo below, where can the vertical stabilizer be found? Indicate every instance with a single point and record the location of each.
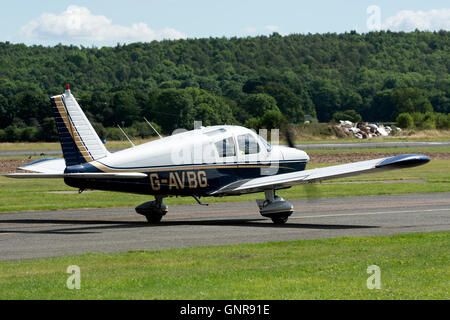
(79, 141)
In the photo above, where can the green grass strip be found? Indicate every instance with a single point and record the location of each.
(413, 266)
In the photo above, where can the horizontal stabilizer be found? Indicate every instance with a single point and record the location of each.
(51, 165)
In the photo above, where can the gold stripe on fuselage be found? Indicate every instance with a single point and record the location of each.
(104, 168)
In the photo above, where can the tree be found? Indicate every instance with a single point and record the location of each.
(31, 105)
(326, 98)
(48, 130)
(273, 119)
(287, 101)
(5, 114)
(350, 115)
(315, 74)
(410, 100)
(98, 102)
(125, 108)
(405, 121)
(174, 110)
(209, 108)
(382, 107)
(257, 104)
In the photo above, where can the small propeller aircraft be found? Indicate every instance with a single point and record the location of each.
(207, 161)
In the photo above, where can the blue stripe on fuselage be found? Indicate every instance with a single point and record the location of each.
(199, 181)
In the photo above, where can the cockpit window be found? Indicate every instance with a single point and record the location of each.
(215, 131)
(248, 144)
(226, 147)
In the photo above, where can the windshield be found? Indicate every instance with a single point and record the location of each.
(265, 143)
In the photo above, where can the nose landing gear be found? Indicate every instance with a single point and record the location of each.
(275, 207)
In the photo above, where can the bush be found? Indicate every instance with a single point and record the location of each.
(442, 121)
(428, 124)
(143, 130)
(272, 119)
(99, 129)
(427, 121)
(29, 134)
(418, 119)
(12, 134)
(114, 133)
(350, 115)
(405, 121)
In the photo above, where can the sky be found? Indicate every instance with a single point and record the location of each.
(108, 22)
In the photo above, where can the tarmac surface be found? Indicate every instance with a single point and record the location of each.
(26, 235)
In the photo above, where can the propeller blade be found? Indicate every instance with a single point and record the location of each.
(289, 135)
(312, 191)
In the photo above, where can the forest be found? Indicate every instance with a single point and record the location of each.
(255, 81)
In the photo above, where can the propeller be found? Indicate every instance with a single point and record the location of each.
(311, 189)
(289, 134)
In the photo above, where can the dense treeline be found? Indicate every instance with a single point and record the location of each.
(257, 81)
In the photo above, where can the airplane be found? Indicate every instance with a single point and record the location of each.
(211, 161)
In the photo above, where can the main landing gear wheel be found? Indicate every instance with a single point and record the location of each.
(153, 218)
(153, 211)
(275, 208)
(280, 220)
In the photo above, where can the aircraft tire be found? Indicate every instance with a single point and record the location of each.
(280, 220)
(153, 218)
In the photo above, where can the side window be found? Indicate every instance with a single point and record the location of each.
(226, 147)
(248, 144)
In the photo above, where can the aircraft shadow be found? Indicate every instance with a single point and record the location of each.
(95, 226)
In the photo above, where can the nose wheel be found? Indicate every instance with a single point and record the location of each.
(275, 208)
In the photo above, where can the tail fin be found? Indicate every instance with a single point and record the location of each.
(79, 141)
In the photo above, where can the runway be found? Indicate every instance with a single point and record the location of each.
(38, 234)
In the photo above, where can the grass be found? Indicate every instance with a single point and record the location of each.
(21, 195)
(414, 150)
(413, 266)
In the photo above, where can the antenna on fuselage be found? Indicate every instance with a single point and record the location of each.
(126, 136)
(153, 128)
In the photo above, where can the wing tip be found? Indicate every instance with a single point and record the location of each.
(404, 160)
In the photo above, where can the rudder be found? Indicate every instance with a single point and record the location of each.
(79, 141)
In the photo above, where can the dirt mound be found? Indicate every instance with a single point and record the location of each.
(8, 166)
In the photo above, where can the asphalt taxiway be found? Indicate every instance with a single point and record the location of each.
(26, 235)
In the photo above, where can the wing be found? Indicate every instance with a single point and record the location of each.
(314, 175)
